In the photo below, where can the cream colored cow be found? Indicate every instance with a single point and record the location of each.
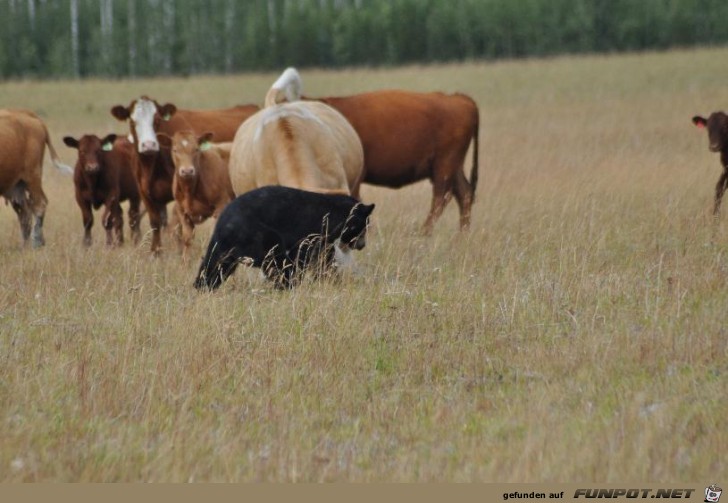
(301, 144)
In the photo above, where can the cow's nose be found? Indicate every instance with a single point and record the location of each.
(92, 167)
(187, 171)
(149, 146)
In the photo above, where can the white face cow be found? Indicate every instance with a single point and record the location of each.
(144, 115)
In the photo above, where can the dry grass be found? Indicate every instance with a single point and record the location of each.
(575, 334)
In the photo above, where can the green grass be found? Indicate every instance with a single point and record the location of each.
(576, 333)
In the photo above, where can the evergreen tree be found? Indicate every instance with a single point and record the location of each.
(112, 38)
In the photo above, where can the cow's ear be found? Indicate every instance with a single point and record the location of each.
(700, 121)
(107, 144)
(204, 141)
(167, 111)
(70, 141)
(120, 112)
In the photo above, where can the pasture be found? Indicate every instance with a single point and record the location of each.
(576, 333)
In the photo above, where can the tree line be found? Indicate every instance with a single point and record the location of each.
(122, 38)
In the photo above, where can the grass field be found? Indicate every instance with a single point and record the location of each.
(576, 333)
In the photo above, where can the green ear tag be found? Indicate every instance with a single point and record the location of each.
(107, 147)
(205, 146)
(167, 117)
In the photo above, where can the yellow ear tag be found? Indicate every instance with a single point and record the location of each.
(205, 146)
(107, 147)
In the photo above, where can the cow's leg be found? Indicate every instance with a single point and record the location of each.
(441, 195)
(88, 221)
(157, 214)
(188, 232)
(720, 188)
(176, 227)
(117, 223)
(38, 203)
(25, 217)
(21, 206)
(107, 221)
(165, 219)
(155, 221)
(134, 220)
(464, 197)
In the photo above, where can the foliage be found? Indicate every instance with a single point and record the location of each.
(182, 37)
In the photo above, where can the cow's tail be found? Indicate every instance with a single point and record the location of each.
(288, 87)
(64, 168)
(474, 169)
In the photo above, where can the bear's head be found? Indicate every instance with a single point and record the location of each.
(353, 235)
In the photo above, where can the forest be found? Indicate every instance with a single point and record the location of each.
(128, 38)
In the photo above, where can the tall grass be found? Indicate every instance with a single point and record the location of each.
(576, 333)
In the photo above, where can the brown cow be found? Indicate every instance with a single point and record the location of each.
(23, 138)
(408, 137)
(201, 183)
(103, 177)
(717, 125)
(153, 166)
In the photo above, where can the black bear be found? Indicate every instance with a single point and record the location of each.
(284, 231)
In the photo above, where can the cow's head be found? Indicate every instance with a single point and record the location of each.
(186, 150)
(353, 235)
(144, 116)
(90, 149)
(717, 125)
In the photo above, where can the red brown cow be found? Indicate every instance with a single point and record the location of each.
(103, 177)
(201, 183)
(23, 138)
(717, 125)
(408, 137)
(153, 167)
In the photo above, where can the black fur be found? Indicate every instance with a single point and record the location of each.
(284, 231)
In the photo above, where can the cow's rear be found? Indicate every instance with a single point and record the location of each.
(301, 144)
(23, 139)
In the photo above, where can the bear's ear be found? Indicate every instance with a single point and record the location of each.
(366, 210)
